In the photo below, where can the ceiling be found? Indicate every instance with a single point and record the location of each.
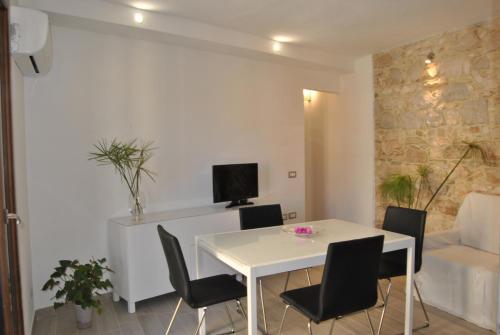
(346, 27)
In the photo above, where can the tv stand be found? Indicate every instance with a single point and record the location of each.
(241, 202)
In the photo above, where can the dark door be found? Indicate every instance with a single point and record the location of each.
(11, 315)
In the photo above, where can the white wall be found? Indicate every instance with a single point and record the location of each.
(200, 108)
(320, 137)
(351, 166)
(23, 231)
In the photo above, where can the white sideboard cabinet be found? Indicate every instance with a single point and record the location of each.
(137, 258)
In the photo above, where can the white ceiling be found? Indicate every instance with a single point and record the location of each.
(347, 27)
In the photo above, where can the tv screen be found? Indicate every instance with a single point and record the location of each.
(235, 182)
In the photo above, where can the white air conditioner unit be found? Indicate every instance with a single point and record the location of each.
(30, 40)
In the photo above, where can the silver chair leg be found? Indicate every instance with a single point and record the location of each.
(263, 306)
(381, 295)
(427, 321)
(331, 327)
(173, 316)
(309, 328)
(283, 319)
(201, 321)
(308, 277)
(230, 318)
(385, 306)
(370, 322)
(238, 302)
(286, 281)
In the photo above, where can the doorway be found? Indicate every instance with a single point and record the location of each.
(11, 314)
(319, 133)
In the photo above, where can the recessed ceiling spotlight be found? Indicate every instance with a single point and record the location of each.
(276, 46)
(430, 58)
(138, 17)
(282, 38)
(142, 5)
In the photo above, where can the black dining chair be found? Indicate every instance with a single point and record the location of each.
(263, 216)
(409, 222)
(348, 286)
(199, 293)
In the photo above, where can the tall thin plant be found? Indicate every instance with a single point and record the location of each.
(472, 148)
(128, 159)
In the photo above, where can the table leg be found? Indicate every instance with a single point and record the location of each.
(203, 328)
(410, 268)
(252, 304)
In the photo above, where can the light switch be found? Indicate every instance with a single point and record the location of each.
(285, 217)
(292, 215)
(292, 174)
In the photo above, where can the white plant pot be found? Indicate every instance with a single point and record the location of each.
(83, 317)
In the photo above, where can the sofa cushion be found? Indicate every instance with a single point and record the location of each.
(462, 281)
(478, 221)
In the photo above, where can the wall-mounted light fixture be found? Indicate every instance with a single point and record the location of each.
(276, 46)
(307, 95)
(430, 58)
(138, 17)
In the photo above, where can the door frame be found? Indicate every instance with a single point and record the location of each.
(9, 257)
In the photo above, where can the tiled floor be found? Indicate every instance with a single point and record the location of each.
(153, 315)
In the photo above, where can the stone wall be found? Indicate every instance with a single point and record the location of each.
(424, 112)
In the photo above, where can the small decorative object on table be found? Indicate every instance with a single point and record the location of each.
(303, 231)
(79, 284)
(128, 159)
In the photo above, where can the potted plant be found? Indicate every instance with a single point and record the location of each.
(128, 159)
(402, 188)
(79, 284)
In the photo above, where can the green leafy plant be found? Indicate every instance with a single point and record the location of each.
(399, 188)
(129, 160)
(79, 283)
(423, 172)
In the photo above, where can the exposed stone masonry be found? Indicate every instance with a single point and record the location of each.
(424, 112)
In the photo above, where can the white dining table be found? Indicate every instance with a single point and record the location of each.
(266, 251)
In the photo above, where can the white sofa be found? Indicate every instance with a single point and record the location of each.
(460, 271)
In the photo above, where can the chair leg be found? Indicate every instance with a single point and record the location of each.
(370, 322)
(173, 316)
(238, 302)
(230, 318)
(263, 306)
(386, 300)
(201, 321)
(286, 281)
(331, 327)
(427, 321)
(308, 277)
(381, 295)
(283, 319)
(309, 328)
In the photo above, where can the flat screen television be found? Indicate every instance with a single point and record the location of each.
(236, 183)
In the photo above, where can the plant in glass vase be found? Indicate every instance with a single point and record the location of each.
(128, 159)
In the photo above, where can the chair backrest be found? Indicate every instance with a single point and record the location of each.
(409, 222)
(350, 276)
(478, 221)
(178, 273)
(260, 216)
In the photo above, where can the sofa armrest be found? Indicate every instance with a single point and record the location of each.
(441, 239)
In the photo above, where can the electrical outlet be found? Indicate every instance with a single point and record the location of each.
(292, 174)
(285, 217)
(292, 215)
